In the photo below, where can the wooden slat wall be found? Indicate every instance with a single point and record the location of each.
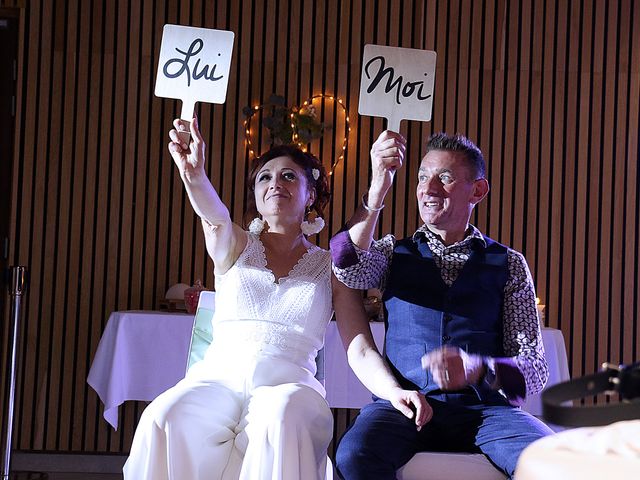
(549, 90)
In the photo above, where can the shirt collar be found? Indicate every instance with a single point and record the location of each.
(473, 235)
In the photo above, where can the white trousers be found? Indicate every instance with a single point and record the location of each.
(202, 430)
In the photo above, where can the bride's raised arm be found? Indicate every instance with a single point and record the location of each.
(224, 239)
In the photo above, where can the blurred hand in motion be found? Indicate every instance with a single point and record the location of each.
(453, 368)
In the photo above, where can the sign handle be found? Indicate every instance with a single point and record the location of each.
(393, 124)
(188, 106)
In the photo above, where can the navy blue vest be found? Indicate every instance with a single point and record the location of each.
(424, 313)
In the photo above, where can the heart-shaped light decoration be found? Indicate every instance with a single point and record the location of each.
(307, 105)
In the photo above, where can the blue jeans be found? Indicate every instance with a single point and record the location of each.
(381, 439)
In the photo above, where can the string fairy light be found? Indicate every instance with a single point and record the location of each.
(347, 128)
(247, 128)
(294, 127)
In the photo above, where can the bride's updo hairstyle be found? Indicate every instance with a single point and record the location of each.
(315, 172)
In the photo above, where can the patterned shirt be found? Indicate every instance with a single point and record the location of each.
(521, 328)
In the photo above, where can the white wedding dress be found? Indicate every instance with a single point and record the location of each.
(252, 408)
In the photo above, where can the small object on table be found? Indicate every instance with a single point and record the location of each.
(191, 297)
(540, 307)
(174, 298)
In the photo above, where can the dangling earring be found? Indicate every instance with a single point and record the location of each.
(311, 227)
(256, 226)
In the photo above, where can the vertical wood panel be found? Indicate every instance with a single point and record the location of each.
(569, 174)
(631, 305)
(60, 390)
(618, 252)
(549, 91)
(585, 353)
(581, 224)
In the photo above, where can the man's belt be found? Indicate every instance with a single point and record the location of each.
(613, 380)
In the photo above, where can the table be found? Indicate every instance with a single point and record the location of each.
(140, 355)
(143, 353)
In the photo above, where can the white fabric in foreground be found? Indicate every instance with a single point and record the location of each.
(590, 453)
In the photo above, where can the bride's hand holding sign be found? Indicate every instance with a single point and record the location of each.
(189, 158)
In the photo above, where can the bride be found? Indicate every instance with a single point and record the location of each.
(252, 408)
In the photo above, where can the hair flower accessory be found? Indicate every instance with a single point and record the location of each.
(315, 173)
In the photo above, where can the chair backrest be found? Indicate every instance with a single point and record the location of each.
(201, 334)
(201, 331)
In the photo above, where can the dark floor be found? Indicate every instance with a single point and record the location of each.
(64, 476)
(60, 466)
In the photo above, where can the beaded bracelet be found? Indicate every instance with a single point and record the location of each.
(368, 208)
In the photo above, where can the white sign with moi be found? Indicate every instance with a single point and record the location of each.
(397, 84)
(194, 66)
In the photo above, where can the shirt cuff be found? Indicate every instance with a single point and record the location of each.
(343, 252)
(510, 380)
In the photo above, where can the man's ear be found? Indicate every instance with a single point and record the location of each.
(480, 190)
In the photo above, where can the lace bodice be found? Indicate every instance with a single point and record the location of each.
(254, 311)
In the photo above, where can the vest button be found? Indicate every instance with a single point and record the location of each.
(446, 338)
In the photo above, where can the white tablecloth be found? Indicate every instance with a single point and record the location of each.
(143, 353)
(140, 355)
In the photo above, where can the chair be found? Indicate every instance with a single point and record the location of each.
(202, 328)
(449, 466)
